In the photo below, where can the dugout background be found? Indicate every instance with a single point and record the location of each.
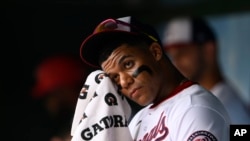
(32, 30)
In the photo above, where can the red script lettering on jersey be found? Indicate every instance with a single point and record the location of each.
(159, 132)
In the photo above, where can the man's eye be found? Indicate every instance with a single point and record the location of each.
(128, 64)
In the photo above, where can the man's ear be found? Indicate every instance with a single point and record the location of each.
(156, 50)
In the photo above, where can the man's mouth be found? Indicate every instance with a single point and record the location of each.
(134, 92)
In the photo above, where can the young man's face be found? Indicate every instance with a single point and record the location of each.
(187, 58)
(134, 70)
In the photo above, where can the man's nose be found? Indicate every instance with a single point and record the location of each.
(125, 80)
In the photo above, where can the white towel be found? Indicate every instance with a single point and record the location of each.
(101, 113)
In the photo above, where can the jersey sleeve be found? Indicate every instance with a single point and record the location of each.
(200, 123)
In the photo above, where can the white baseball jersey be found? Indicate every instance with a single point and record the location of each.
(190, 114)
(234, 105)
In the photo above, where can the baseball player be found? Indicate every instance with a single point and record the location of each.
(176, 109)
(192, 45)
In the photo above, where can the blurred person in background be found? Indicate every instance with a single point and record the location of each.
(192, 45)
(58, 81)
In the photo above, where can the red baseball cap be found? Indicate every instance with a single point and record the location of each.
(111, 30)
(58, 71)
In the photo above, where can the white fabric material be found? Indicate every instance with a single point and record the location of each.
(233, 103)
(123, 27)
(178, 31)
(177, 118)
(101, 113)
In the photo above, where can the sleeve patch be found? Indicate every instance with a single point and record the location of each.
(202, 136)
